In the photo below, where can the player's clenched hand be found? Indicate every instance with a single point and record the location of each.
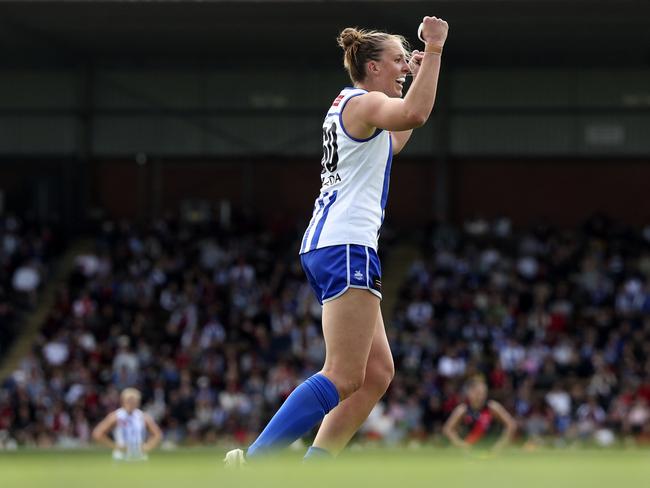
(434, 31)
(415, 62)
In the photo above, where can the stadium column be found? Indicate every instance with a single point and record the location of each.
(156, 188)
(248, 185)
(79, 174)
(442, 194)
(144, 187)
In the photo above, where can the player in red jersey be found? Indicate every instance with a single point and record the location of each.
(473, 419)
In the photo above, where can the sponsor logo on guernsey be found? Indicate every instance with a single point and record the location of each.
(329, 180)
(337, 100)
(358, 275)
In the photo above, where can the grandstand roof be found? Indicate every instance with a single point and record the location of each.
(252, 32)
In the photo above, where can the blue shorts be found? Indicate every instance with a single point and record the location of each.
(332, 270)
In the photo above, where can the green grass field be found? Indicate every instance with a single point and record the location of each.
(190, 468)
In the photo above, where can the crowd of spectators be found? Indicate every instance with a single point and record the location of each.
(27, 250)
(214, 326)
(557, 321)
(217, 325)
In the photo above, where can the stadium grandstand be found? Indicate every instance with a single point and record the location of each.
(217, 327)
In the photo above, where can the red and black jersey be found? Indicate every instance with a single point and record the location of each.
(476, 423)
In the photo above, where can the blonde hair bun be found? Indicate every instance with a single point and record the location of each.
(350, 37)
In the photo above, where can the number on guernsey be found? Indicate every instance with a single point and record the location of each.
(330, 159)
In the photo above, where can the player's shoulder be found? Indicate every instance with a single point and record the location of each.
(493, 404)
(461, 408)
(368, 97)
(144, 414)
(112, 416)
(365, 102)
(348, 94)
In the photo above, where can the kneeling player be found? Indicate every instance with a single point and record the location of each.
(474, 418)
(135, 433)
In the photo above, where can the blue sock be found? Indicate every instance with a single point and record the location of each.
(304, 408)
(316, 453)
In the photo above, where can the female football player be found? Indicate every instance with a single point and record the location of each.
(366, 125)
(475, 418)
(135, 433)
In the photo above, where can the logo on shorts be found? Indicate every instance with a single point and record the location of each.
(376, 284)
(358, 275)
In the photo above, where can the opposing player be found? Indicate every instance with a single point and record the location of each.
(366, 125)
(135, 433)
(472, 420)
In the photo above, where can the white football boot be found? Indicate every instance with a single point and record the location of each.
(234, 459)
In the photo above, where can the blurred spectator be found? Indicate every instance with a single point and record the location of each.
(27, 250)
(26, 278)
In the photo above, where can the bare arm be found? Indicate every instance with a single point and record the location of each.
(509, 424)
(451, 426)
(396, 114)
(100, 432)
(155, 434)
(400, 139)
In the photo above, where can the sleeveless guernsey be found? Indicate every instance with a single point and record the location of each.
(355, 176)
(129, 433)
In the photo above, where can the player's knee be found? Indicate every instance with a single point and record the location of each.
(352, 383)
(346, 383)
(380, 376)
(389, 372)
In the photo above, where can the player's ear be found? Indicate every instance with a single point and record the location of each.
(372, 68)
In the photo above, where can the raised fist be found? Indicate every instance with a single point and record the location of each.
(415, 61)
(434, 31)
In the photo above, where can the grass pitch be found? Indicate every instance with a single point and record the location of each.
(427, 467)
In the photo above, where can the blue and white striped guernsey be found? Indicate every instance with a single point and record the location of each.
(355, 176)
(129, 434)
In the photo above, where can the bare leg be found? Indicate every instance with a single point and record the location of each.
(349, 324)
(340, 424)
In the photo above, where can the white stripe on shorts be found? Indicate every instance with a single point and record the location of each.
(367, 267)
(347, 260)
